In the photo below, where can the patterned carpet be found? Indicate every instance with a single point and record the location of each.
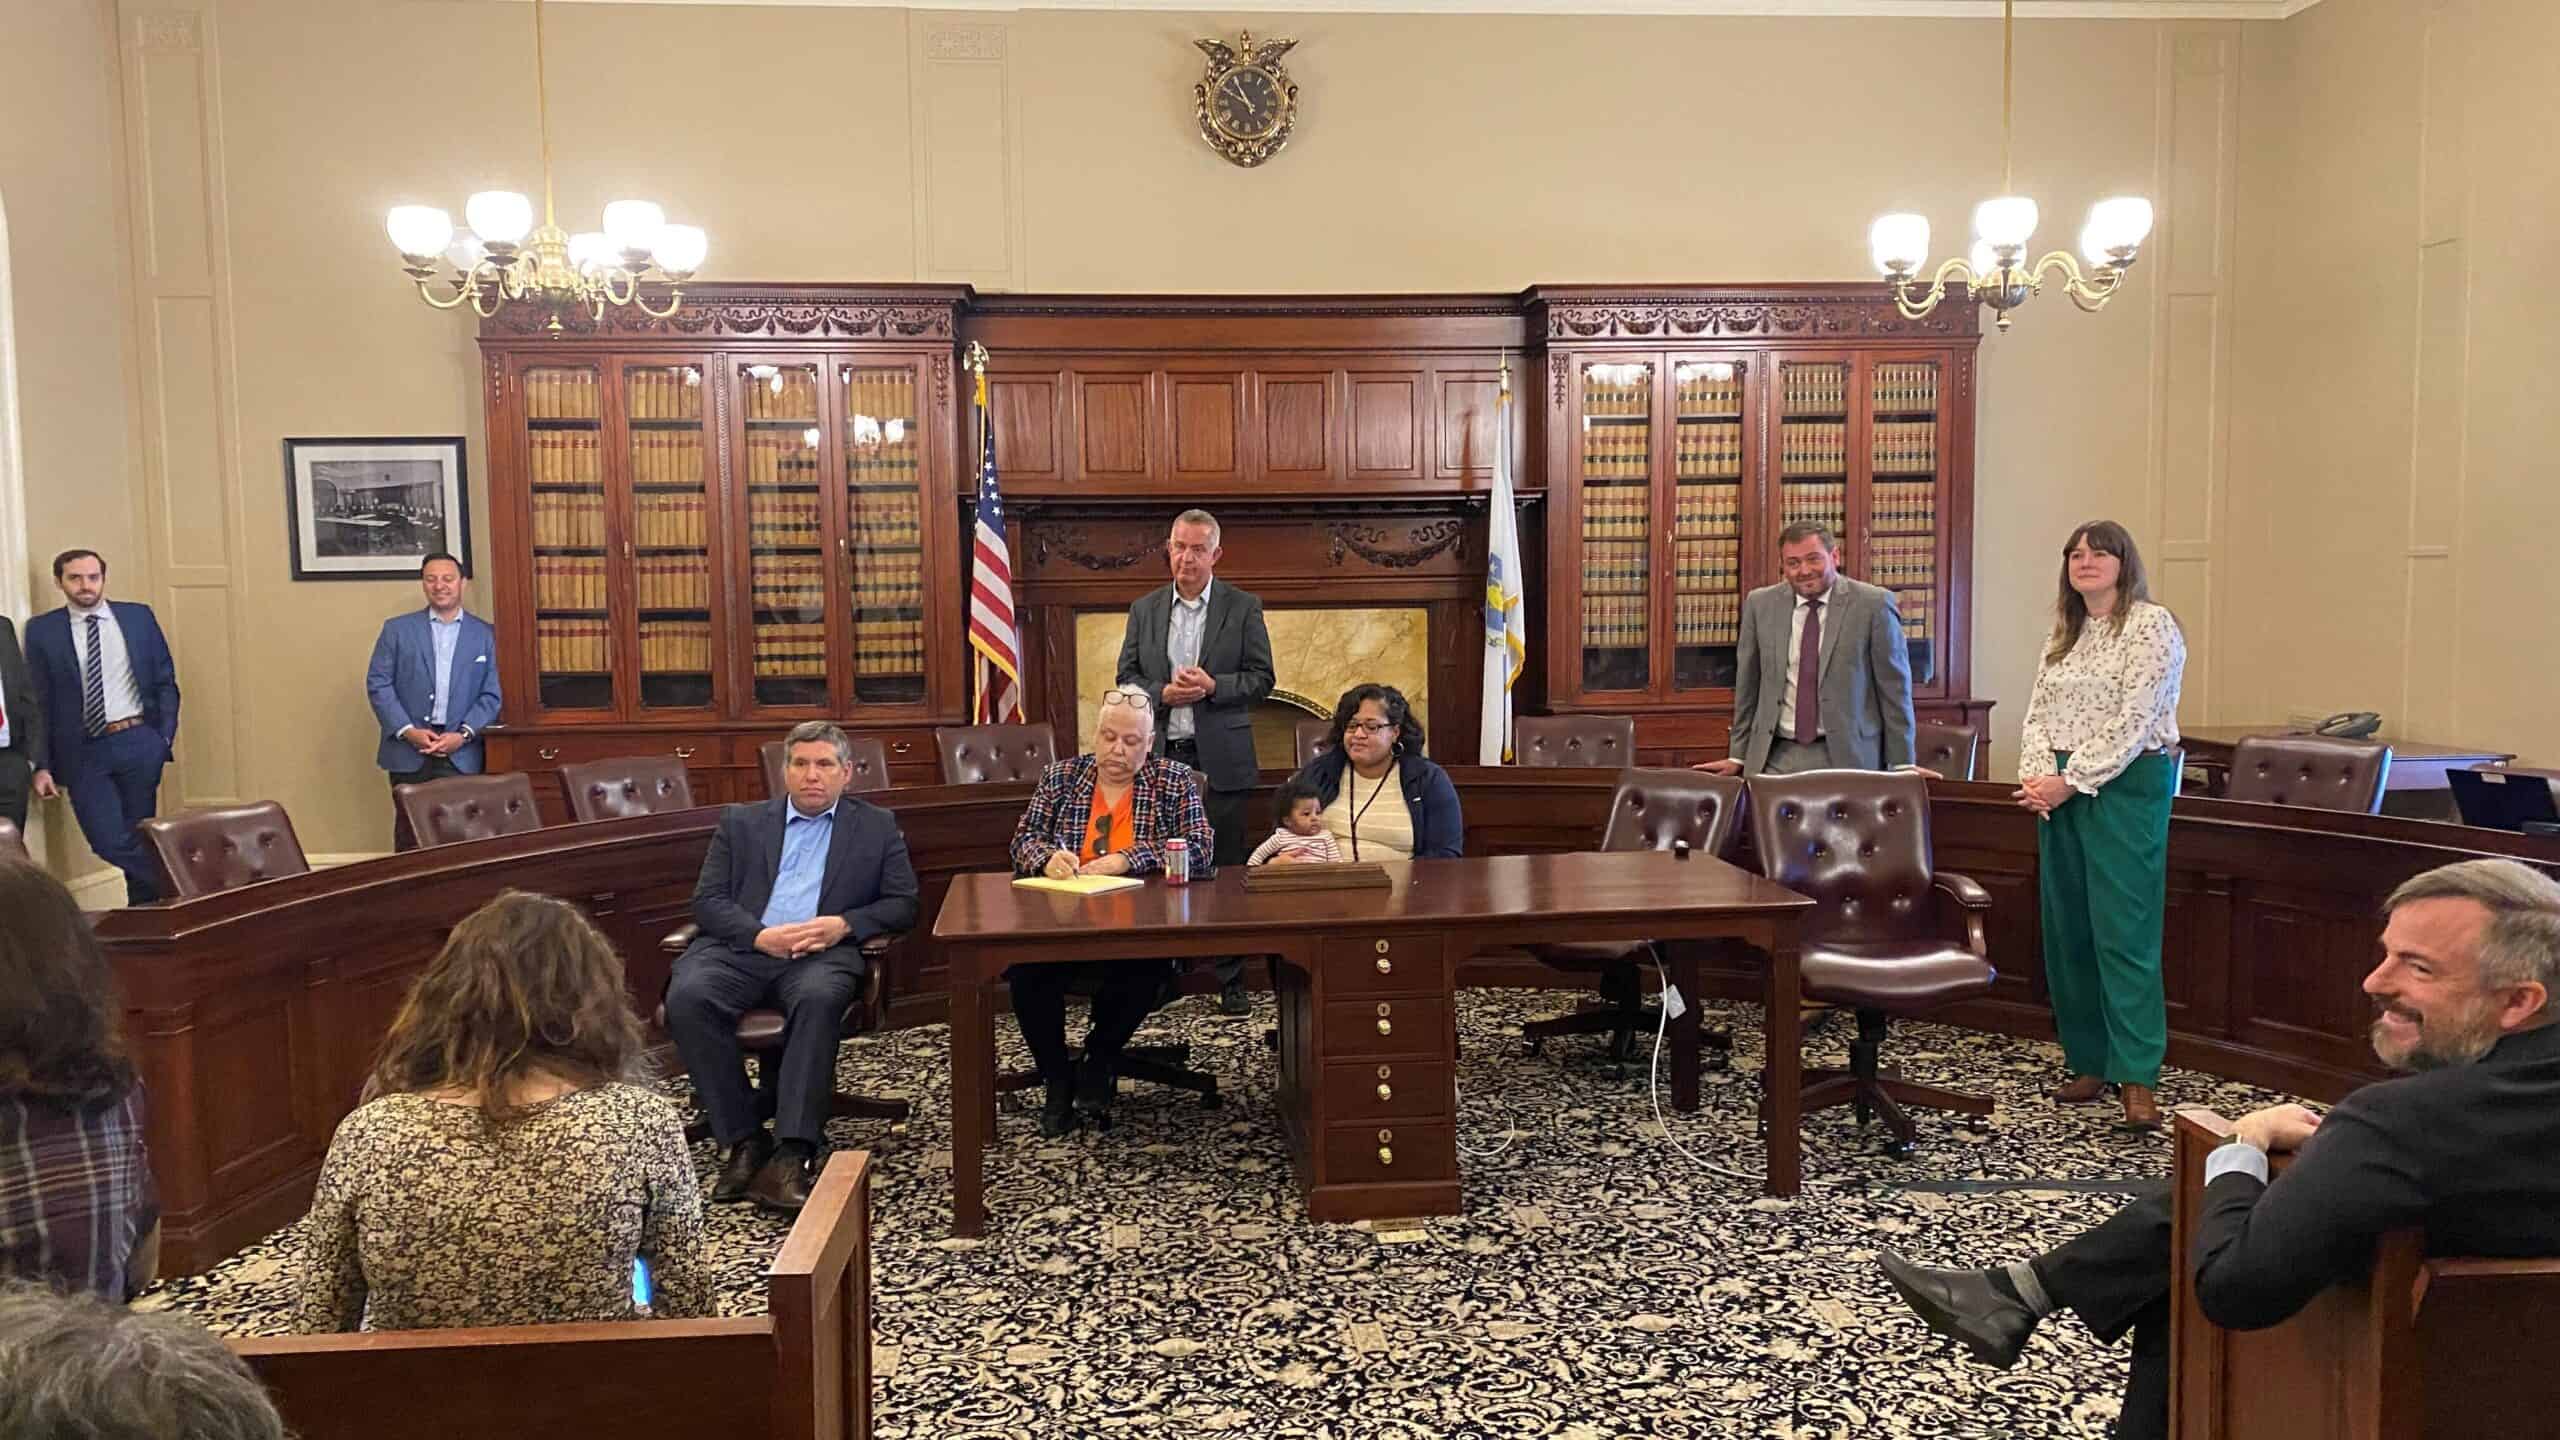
(1158, 1280)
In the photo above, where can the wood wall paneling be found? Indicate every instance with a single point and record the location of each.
(1116, 446)
(1299, 425)
(1212, 440)
(1386, 413)
(1030, 426)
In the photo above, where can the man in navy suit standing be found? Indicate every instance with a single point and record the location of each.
(433, 684)
(110, 697)
(788, 893)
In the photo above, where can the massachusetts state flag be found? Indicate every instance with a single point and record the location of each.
(1506, 625)
(995, 642)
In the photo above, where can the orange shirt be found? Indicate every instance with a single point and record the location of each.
(1109, 826)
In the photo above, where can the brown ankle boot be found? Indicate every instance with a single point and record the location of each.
(2081, 1090)
(2141, 1111)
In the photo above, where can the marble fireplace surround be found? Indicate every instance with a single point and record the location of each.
(1317, 652)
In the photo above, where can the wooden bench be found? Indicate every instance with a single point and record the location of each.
(2419, 1350)
(800, 1372)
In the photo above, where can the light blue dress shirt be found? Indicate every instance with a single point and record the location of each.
(1182, 647)
(804, 867)
(446, 634)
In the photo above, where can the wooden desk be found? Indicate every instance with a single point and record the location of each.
(2416, 787)
(1368, 984)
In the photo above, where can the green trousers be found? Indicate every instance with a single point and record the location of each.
(2102, 870)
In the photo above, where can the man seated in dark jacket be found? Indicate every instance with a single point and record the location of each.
(2466, 1144)
(789, 891)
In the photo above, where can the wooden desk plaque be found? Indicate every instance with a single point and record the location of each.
(1348, 875)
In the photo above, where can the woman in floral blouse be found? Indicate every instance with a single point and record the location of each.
(2099, 766)
(509, 1162)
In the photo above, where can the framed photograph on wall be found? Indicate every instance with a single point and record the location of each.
(374, 508)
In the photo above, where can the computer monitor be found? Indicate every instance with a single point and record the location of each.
(2497, 799)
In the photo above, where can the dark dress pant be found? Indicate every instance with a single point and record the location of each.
(2116, 1278)
(713, 986)
(118, 789)
(1124, 992)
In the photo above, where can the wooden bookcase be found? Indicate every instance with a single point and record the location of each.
(709, 527)
(1685, 427)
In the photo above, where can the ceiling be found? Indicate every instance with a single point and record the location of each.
(1908, 9)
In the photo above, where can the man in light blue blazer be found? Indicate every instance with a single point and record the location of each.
(434, 685)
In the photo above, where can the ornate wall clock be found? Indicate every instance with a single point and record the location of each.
(1247, 103)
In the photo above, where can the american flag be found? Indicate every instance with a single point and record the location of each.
(993, 639)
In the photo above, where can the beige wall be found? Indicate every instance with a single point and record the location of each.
(1044, 150)
(2393, 437)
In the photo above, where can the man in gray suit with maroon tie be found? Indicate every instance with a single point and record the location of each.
(1822, 677)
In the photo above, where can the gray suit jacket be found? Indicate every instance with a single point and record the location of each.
(1867, 722)
(1234, 648)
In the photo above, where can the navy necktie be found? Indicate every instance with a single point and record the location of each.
(93, 688)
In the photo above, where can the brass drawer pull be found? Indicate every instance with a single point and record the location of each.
(548, 752)
(684, 752)
(1386, 966)
(902, 747)
(1386, 1092)
(1382, 947)
(1383, 1007)
(1386, 1027)
(1386, 1137)
(1386, 1156)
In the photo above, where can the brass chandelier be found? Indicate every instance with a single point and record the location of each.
(1995, 273)
(504, 258)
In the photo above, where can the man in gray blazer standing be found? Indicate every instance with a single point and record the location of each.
(1201, 650)
(1823, 677)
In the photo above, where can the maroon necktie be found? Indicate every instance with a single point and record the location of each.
(1809, 675)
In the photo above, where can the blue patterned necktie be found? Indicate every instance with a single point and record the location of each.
(93, 688)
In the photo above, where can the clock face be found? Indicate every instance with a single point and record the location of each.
(1247, 103)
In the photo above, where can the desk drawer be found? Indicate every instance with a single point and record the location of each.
(1399, 1152)
(552, 749)
(1410, 1026)
(1372, 1092)
(1384, 965)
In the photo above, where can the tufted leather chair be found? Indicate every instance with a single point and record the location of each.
(1650, 811)
(760, 1033)
(205, 852)
(1954, 751)
(13, 846)
(2312, 771)
(1890, 934)
(980, 754)
(1314, 738)
(616, 789)
(1602, 742)
(870, 766)
(467, 807)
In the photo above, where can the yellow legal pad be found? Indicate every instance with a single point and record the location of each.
(1081, 885)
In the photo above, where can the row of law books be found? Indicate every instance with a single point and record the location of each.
(791, 650)
(672, 582)
(1604, 394)
(1816, 389)
(663, 394)
(1904, 447)
(1707, 510)
(1707, 618)
(785, 518)
(569, 582)
(573, 647)
(666, 457)
(788, 582)
(880, 426)
(1614, 565)
(670, 519)
(783, 394)
(1903, 505)
(568, 520)
(1616, 622)
(887, 589)
(1707, 450)
(889, 518)
(1813, 448)
(1617, 512)
(1900, 561)
(551, 394)
(888, 647)
(1706, 564)
(1709, 390)
(1916, 605)
(566, 457)
(679, 647)
(1617, 452)
(782, 459)
(1822, 503)
(1904, 388)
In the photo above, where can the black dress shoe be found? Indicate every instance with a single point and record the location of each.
(738, 1168)
(1233, 1001)
(1964, 1306)
(785, 1181)
(1093, 1092)
(1058, 1112)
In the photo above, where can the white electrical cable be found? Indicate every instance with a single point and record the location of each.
(1510, 1129)
(1654, 1085)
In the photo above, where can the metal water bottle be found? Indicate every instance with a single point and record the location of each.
(1177, 861)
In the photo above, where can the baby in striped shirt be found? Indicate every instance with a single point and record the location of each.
(1301, 835)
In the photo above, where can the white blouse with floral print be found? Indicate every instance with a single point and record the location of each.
(2114, 697)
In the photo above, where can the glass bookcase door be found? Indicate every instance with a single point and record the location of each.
(1615, 468)
(1708, 464)
(573, 609)
(883, 445)
(1902, 540)
(1813, 443)
(671, 533)
(787, 540)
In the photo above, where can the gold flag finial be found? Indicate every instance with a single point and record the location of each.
(976, 360)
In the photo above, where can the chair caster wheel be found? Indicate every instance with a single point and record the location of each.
(1536, 1045)
(1898, 1149)
(1715, 1060)
(1213, 1101)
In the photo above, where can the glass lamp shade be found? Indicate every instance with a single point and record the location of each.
(466, 252)
(2122, 222)
(680, 249)
(499, 217)
(1985, 263)
(633, 225)
(589, 250)
(1900, 242)
(2006, 222)
(419, 231)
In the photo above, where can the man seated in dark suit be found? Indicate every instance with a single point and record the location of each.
(2463, 1145)
(790, 890)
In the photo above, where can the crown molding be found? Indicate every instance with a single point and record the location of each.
(1871, 9)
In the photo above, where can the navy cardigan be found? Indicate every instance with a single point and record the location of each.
(1439, 829)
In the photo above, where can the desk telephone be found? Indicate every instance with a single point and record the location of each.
(2349, 725)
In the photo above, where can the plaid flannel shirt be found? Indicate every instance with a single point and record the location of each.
(76, 1195)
